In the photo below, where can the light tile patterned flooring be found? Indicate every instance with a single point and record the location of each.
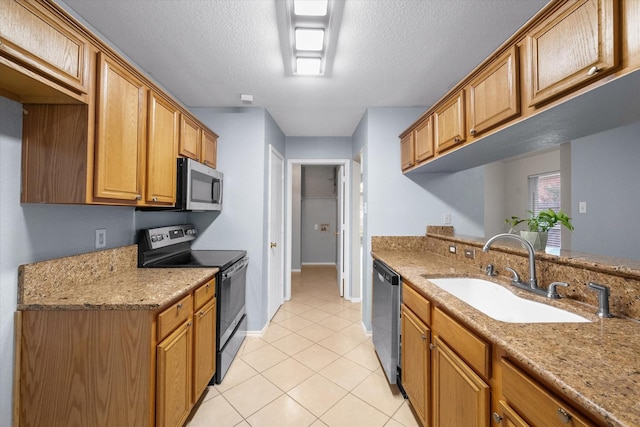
(314, 366)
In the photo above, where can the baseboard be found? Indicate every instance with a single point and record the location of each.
(355, 300)
(318, 263)
(296, 271)
(364, 328)
(258, 333)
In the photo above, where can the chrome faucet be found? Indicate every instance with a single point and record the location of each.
(515, 281)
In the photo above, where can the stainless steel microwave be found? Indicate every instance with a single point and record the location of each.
(199, 187)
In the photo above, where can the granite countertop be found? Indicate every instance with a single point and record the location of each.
(103, 280)
(594, 364)
(135, 289)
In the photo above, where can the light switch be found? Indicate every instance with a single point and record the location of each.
(582, 207)
(315, 226)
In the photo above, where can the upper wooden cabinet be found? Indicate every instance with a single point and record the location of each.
(162, 150)
(209, 152)
(36, 49)
(190, 138)
(450, 123)
(407, 158)
(494, 95)
(120, 123)
(423, 136)
(578, 44)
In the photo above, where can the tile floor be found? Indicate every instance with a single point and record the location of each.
(313, 366)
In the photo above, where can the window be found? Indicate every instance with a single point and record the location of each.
(544, 193)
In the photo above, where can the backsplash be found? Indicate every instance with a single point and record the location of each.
(575, 269)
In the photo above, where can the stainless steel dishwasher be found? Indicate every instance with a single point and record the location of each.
(386, 319)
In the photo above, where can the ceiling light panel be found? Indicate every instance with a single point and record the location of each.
(308, 66)
(309, 39)
(310, 7)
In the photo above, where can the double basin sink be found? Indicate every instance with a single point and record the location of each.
(499, 303)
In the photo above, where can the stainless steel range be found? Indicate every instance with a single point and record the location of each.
(171, 247)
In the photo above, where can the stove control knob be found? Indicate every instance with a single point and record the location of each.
(153, 238)
(191, 231)
(160, 237)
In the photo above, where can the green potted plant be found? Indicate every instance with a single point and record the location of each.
(539, 226)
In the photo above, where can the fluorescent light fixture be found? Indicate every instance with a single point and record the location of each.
(308, 66)
(310, 7)
(309, 39)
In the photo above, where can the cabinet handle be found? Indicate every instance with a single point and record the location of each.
(155, 199)
(189, 325)
(201, 313)
(424, 337)
(431, 346)
(179, 306)
(456, 139)
(208, 285)
(592, 71)
(564, 416)
(138, 197)
(472, 132)
(497, 418)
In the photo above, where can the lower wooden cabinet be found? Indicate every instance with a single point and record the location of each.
(416, 338)
(174, 375)
(532, 403)
(460, 396)
(204, 347)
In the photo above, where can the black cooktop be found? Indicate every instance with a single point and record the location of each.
(202, 258)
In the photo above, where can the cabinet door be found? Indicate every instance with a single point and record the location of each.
(120, 133)
(209, 149)
(204, 348)
(174, 370)
(423, 135)
(508, 417)
(190, 138)
(577, 45)
(494, 96)
(33, 38)
(449, 123)
(456, 386)
(406, 151)
(162, 151)
(415, 363)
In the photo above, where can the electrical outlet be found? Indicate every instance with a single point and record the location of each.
(470, 253)
(101, 238)
(582, 207)
(447, 218)
(452, 249)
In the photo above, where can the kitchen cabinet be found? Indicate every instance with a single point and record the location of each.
(415, 363)
(527, 401)
(450, 123)
(162, 150)
(423, 136)
(120, 123)
(578, 44)
(460, 396)
(190, 138)
(209, 149)
(494, 95)
(41, 58)
(631, 33)
(407, 159)
(173, 398)
(204, 338)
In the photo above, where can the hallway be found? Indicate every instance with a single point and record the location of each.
(313, 366)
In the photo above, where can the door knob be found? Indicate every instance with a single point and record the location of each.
(273, 245)
(337, 233)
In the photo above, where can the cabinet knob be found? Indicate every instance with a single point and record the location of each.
(424, 337)
(189, 325)
(497, 418)
(155, 199)
(564, 416)
(179, 306)
(208, 285)
(592, 71)
(139, 197)
(431, 346)
(472, 132)
(456, 139)
(201, 313)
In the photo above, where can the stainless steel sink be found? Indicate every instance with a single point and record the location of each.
(499, 303)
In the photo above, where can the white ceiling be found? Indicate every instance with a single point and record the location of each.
(389, 53)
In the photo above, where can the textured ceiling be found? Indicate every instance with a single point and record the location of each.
(389, 53)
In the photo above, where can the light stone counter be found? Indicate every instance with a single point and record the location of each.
(103, 280)
(594, 364)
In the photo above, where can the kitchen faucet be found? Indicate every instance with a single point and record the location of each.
(533, 283)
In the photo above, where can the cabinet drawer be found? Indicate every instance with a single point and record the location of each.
(533, 402)
(173, 316)
(467, 345)
(416, 303)
(204, 293)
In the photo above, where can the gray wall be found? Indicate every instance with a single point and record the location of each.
(605, 174)
(318, 148)
(319, 206)
(296, 216)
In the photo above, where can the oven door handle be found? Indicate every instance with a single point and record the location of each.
(235, 269)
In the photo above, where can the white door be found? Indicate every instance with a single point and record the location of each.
(340, 229)
(276, 230)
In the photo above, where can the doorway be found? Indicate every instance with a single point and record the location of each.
(276, 232)
(337, 229)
